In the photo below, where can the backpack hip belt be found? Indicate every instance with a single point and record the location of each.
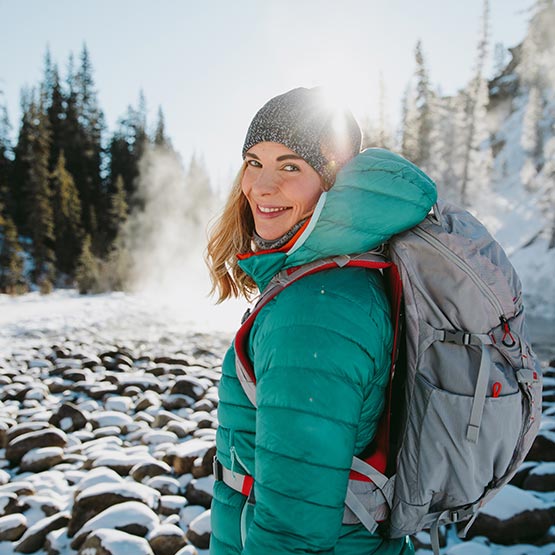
(366, 501)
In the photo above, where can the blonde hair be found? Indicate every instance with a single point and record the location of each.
(230, 235)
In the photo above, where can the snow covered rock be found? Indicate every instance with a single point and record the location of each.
(131, 517)
(95, 499)
(199, 531)
(34, 538)
(24, 428)
(184, 454)
(41, 458)
(8, 503)
(167, 539)
(541, 477)
(104, 418)
(166, 485)
(50, 437)
(187, 550)
(12, 527)
(172, 504)
(189, 386)
(114, 542)
(69, 418)
(199, 492)
(121, 461)
(144, 470)
(543, 448)
(4, 477)
(96, 476)
(512, 516)
(19, 487)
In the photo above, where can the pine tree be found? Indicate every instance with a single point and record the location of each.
(127, 147)
(119, 208)
(38, 208)
(57, 118)
(531, 139)
(409, 125)
(160, 138)
(87, 273)
(6, 159)
(12, 280)
(67, 217)
(92, 127)
(477, 158)
(423, 112)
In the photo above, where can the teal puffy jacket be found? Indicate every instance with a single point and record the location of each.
(321, 352)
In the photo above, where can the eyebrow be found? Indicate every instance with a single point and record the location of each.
(279, 158)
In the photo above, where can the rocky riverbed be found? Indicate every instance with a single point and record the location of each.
(107, 433)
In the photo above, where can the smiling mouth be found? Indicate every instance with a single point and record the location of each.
(272, 210)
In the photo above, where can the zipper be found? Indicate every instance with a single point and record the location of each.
(429, 238)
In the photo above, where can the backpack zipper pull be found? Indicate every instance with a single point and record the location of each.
(506, 332)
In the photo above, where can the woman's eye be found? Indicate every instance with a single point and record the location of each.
(291, 168)
(254, 163)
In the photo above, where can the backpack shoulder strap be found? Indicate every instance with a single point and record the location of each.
(371, 260)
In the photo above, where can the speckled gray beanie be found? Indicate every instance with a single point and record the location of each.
(302, 121)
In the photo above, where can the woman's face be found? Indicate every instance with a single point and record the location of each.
(281, 188)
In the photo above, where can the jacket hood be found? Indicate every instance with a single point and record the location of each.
(375, 196)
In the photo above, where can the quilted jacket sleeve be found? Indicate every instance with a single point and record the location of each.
(321, 356)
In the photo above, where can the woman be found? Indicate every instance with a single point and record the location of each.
(321, 349)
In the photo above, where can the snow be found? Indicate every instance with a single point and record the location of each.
(511, 501)
(110, 418)
(121, 515)
(201, 524)
(544, 469)
(192, 448)
(119, 543)
(469, 548)
(41, 453)
(148, 495)
(166, 530)
(11, 521)
(205, 484)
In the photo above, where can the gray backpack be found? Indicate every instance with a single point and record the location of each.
(469, 383)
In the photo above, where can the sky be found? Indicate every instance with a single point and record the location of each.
(212, 64)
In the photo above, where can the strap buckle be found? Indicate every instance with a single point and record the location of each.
(217, 469)
(458, 337)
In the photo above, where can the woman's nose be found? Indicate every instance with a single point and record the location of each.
(266, 182)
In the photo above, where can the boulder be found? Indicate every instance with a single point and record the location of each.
(35, 537)
(144, 470)
(541, 478)
(114, 542)
(543, 448)
(167, 539)
(9, 503)
(185, 454)
(171, 504)
(512, 516)
(199, 531)
(41, 458)
(95, 499)
(12, 527)
(49, 437)
(132, 517)
(69, 418)
(199, 491)
(189, 386)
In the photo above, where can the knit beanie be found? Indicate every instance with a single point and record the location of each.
(304, 122)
